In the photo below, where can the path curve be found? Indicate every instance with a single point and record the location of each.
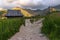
(30, 31)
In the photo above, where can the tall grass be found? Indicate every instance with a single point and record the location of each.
(35, 18)
(51, 26)
(8, 27)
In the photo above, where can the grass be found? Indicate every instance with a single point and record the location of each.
(35, 18)
(8, 27)
(51, 26)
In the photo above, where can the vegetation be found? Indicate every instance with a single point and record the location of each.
(1, 12)
(35, 18)
(51, 26)
(8, 27)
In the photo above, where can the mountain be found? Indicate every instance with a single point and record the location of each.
(29, 12)
(34, 12)
(23, 11)
(57, 7)
(38, 11)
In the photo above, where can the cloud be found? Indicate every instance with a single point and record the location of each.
(38, 4)
(32, 4)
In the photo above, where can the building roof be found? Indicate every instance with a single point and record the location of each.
(14, 13)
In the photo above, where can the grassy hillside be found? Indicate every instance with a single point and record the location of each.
(23, 11)
(51, 26)
(8, 27)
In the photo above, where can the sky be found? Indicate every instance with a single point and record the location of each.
(29, 4)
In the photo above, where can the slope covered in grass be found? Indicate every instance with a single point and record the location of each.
(8, 27)
(51, 26)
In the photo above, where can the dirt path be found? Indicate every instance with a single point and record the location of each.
(30, 31)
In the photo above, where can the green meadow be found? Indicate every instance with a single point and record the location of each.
(8, 27)
(51, 26)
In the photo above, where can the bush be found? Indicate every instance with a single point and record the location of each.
(8, 27)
